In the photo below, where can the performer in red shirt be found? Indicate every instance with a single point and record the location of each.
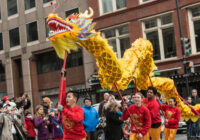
(141, 118)
(72, 116)
(152, 104)
(172, 118)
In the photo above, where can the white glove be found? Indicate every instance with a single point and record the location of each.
(60, 108)
(140, 135)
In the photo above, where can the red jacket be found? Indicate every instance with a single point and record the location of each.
(141, 118)
(154, 109)
(173, 115)
(29, 127)
(72, 119)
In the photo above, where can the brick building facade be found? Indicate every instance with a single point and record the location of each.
(121, 22)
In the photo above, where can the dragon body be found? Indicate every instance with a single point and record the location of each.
(137, 62)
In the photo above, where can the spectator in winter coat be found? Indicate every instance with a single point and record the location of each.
(41, 123)
(114, 121)
(91, 119)
(29, 125)
(55, 125)
(195, 97)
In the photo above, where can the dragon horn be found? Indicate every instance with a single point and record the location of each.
(86, 15)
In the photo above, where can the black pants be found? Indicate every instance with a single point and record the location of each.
(30, 139)
(91, 135)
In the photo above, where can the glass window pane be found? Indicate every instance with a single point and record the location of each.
(145, 0)
(197, 34)
(75, 59)
(121, 4)
(47, 28)
(45, 1)
(124, 44)
(109, 33)
(31, 30)
(14, 37)
(113, 44)
(153, 37)
(107, 6)
(166, 19)
(151, 23)
(2, 73)
(1, 42)
(123, 30)
(29, 4)
(0, 9)
(12, 7)
(169, 42)
(48, 62)
(196, 12)
(72, 11)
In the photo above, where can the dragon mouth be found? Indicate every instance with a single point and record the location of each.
(57, 26)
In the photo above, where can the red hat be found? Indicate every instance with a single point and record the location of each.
(5, 98)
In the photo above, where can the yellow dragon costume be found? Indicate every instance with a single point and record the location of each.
(137, 62)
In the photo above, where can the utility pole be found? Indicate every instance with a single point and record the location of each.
(182, 48)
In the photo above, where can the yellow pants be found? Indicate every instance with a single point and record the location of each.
(134, 136)
(154, 133)
(170, 133)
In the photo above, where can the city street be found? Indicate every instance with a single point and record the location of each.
(181, 137)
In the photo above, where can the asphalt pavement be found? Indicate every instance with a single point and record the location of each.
(181, 137)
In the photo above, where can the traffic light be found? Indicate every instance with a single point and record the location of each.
(187, 45)
(190, 66)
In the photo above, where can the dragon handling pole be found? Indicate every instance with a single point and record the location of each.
(62, 80)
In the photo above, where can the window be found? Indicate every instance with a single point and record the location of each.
(144, 1)
(46, 27)
(74, 59)
(72, 11)
(194, 25)
(160, 32)
(12, 7)
(111, 5)
(0, 10)
(28, 4)
(118, 38)
(2, 73)
(32, 33)
(14, 37)
(49, 62)
(1, 42)
(45, 1)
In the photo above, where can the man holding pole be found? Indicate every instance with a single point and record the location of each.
(141, 119)
(72, 115)
(154, 108)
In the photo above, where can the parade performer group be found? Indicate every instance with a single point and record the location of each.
(116, 74)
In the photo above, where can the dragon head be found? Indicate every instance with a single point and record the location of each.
(64, 34)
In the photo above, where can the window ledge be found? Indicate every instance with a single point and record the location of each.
(102, 14)
(146, 2)
(13, 16)
(48, 4)
(2, 51)
(165, 60)
(33, 43)
(30, 10)
(15, 48)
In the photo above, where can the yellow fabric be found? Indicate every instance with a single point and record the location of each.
(134, 136)
(154, 133)
(170, 134)
(136, 63)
